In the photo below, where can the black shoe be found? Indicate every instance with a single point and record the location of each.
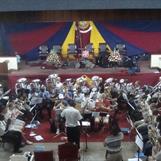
(22, 145)
(18, 151)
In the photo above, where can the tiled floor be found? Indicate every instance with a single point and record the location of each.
(95, 151)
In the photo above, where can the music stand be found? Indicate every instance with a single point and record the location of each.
(85, 125)
(139, 143)
(34, 101)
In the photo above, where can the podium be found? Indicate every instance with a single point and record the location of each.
(3, 67)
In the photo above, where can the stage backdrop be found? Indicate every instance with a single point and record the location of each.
(139, 37)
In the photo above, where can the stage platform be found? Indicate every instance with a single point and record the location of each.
(145, 76)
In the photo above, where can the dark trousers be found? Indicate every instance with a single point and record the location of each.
(46, 105)
(13, 137)
(73, 134)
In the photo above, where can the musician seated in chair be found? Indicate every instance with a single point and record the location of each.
(12, 131)
(11, 136)
(103, 107)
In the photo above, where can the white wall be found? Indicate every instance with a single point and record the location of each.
(155, 61)
(12, 62)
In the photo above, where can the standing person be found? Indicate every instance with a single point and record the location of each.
(113, 142)
(72, 117)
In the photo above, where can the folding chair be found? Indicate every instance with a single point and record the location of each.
(72, 50)
(57, 49)
(102, 47)
(68, 152)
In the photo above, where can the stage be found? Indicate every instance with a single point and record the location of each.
(145, 76)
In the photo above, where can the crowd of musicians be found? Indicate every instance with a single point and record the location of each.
(92, 99)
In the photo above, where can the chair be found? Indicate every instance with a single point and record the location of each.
(89, 47)
(57, 49)
(43, 51)
(102, 47)
(44, 155)
(72, 51)
(68, 152)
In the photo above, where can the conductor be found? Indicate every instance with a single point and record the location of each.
(72, 117)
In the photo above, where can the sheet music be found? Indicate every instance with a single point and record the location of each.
(36, 100)
(39, 138)
(139, 142)
(86, 123)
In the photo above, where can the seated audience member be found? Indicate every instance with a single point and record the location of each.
(112, 143)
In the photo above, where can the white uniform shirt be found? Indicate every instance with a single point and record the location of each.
(2, 127)
(72, 116)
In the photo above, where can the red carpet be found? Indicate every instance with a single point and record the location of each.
(99, 136)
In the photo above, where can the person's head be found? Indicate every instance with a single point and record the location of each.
(113, 126)
(71, 102)
(65, 103)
